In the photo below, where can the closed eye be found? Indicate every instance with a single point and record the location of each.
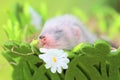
(58, 31)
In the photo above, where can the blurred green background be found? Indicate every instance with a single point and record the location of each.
(93, 13)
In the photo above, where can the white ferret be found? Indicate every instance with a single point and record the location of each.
(64, 32)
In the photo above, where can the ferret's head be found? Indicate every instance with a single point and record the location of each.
(59, 35)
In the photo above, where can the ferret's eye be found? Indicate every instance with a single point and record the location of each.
(58, 31)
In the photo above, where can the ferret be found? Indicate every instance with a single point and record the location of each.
(64, 32)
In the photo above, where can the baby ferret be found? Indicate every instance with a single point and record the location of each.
(64, 32)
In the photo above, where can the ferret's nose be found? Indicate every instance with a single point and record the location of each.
(41, 37)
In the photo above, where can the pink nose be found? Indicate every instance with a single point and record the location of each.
(42, 39)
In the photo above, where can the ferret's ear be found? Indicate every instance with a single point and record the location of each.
(77, 32)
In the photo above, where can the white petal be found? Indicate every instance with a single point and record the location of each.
(59, 69)
(41, 56)
(64, 55)
(60, 56)
(48, 66)
(44, 57)
(64, 66)
(53, 69)
(64, 60)
(43, 50)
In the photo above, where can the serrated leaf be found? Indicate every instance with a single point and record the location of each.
(44, 74)
(36, 50)
(11, 44)
(9, 58)
(114, 66)
(79, 68)
(97, 62)
(23, 48)
(100, 67)
(22, 71)
(103, 46)
(77, 48)
(52, 76)
(39, 74)
(32, 59)
(100, 48)
(25, 45)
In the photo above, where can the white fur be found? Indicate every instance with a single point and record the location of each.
(72, 28)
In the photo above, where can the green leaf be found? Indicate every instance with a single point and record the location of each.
(10, 44)
(78, 47)
(22, 71)
(43, 73)
(95, 64)
(79, 68)
(88, 62)
(39, 74)
(104, 46)
(10, 58)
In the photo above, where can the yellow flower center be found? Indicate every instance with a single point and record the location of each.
(54, 59)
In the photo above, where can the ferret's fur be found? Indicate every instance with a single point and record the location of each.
(65, 32)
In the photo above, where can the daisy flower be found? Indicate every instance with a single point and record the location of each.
(55, 59)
